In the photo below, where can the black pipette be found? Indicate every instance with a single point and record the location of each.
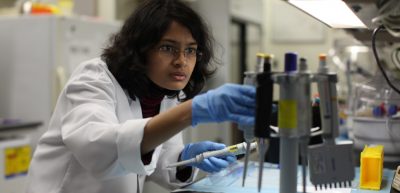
(263, 114)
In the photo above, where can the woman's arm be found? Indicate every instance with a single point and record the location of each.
(165, 125)
(230, 102)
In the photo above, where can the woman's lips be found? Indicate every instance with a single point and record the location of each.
(178, 76)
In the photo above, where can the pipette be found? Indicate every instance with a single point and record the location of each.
(264, 94)
(248, 130)
(233, 149)
(304, 119)
(290, 90)
(334, 154)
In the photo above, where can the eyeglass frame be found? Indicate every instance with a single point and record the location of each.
(174, 53)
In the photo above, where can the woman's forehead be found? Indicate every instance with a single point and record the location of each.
(178, 33)
(176, 42)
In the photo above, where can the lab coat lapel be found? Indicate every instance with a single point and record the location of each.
(123, 103)
(126, 107)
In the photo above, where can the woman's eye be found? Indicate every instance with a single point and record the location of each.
(191, 50)
(167, 48)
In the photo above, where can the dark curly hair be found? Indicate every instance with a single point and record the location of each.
(144, 28)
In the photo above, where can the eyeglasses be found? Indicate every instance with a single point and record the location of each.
(172, 53)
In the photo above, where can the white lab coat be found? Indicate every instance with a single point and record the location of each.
(93, 141)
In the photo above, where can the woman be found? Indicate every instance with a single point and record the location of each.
(119, 118)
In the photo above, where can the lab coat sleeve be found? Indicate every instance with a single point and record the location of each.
(170, 152)
(92, 131)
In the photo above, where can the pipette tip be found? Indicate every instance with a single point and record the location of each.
(246, 161)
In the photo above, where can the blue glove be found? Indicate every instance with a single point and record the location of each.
(230, 102)
(211, 164)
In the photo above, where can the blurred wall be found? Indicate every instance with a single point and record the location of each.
(288, 29)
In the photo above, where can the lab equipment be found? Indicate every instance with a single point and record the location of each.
(326, 157)
(396, 179)
(304, 117)
(203, 106)
(375, 119)
(288, 117)
(372, 58)
(330, 163)
(371, 167)
(233, 149)
(328, 95)
(248, 130)
(14, 162)
(264, 97)
(228, 181)
(213, 164)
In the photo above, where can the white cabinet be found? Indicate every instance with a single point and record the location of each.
(37, 54)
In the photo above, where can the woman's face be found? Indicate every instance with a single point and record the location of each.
(172, 60)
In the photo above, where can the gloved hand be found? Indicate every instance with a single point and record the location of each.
(211, 164)
(230, 102)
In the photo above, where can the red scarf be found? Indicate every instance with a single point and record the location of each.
(150, 106)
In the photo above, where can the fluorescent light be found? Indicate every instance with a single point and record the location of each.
(334, 13)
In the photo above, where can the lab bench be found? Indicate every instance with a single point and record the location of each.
(16, 128)
(19, 125)
(230, 180)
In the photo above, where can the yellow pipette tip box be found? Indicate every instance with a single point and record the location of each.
(371, 167)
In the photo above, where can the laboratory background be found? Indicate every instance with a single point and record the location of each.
(41, 42)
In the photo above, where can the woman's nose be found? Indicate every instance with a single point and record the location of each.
(181, 59)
